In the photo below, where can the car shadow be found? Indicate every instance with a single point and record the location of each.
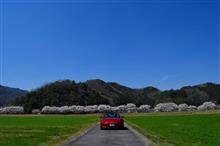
(124, 128)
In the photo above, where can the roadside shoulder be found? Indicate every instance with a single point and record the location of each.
(143, 138)
(78, 135)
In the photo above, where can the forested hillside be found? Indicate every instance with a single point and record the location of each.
(8, 94)
(91, 92)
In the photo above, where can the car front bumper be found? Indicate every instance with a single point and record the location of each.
(112, 126)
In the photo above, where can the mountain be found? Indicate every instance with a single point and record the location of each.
(194, 95)
(119, 94)
(96, 91)
(61, 93)
(8, 94)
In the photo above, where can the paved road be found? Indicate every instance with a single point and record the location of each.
(97, 137)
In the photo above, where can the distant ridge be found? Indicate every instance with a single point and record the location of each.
(8, 94)
(68, 92)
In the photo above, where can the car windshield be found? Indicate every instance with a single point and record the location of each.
(111, 115)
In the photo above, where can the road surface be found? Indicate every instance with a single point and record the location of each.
(97, 137)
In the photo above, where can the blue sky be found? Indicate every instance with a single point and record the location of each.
(167, 44)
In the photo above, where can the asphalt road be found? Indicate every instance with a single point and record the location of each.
(97, 137)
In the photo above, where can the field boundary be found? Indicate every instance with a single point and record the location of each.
(156, 141)
(173, 113)
(143, 138)
(78, 134)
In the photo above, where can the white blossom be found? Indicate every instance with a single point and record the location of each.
(192, 108)
(207, 106)
(144, 108)
(131, 108)
(166, 107)
(64, 109)
(104, 108)
(35, 111)
(12, 110)
(183, 107)
(50, 110)
(121, 108)
(91, 109)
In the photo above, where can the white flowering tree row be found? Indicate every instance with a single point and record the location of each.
(12, 110)
(129, 108)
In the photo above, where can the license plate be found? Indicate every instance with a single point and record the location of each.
(111, 125)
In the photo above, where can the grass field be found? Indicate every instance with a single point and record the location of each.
(41, 130)
(182, 129)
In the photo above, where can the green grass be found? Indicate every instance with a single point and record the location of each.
(179, 129)
(182, 129)
(41, 130)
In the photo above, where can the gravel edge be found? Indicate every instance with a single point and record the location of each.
(76, 137)
(143, 138)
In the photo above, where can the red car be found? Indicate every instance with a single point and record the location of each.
(111, 121)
